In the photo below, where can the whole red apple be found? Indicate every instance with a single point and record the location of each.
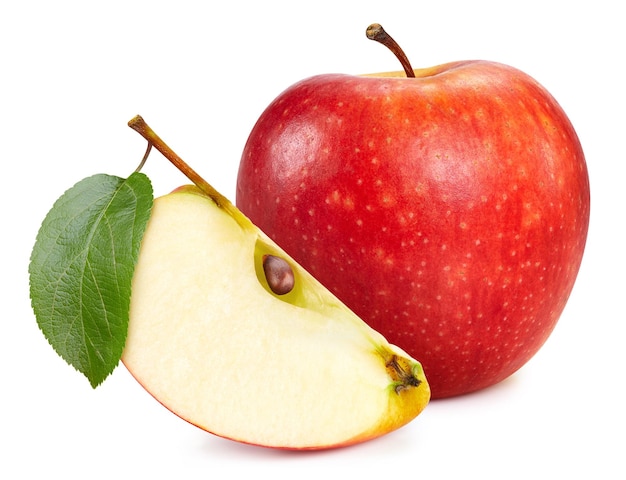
(449, 211)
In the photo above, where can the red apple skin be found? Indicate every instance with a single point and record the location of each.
(449, 211)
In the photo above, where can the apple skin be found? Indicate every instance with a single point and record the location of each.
(449, 211)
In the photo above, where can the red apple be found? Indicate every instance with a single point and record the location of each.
(449, 211)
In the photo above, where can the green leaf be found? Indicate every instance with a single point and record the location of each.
(81, 269)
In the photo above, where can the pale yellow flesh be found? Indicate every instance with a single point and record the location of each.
(210, 341)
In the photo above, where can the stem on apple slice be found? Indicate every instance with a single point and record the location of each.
(138, 124)
(377, 33)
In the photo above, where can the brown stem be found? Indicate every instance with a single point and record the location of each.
(376, 32)
(140, 126)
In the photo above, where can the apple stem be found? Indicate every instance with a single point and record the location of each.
(138, 124)
(376, 32)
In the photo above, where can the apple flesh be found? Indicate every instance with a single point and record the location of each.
(211, 341)
(449, 211)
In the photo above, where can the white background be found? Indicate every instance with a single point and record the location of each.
(73, 73)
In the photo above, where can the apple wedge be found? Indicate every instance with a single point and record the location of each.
(210, 339)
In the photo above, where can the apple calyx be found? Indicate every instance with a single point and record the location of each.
(401, 370)
(138, 124)
(377, 33)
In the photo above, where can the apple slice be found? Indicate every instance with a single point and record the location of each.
(211, 340)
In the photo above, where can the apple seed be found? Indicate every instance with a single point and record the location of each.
(279, 274)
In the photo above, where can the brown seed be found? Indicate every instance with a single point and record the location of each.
(279, 274)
